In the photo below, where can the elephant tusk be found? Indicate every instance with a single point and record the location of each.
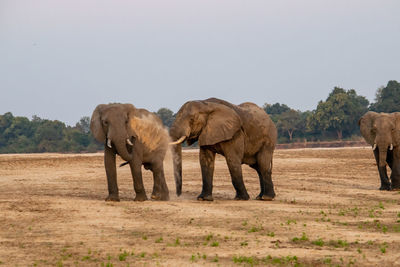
(180, 140)
(374, 147)
(109, 143)
(129, 142)
(391, 147)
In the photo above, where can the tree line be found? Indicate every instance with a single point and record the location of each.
(335, 118)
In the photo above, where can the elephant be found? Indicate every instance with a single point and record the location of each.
(382, 132)
(243, 134)
(138, 137)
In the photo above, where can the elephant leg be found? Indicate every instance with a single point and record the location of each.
(233, 151)
(136, 170)
(234, 162)
(264, 170)
(207, 161)
(111, 172)
(389, 158)
(235, 169)
(395, 176)
(385, 183)
(160, 188)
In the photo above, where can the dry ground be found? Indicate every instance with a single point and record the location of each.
(328, 211)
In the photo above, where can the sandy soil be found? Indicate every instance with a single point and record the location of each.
(328, 211)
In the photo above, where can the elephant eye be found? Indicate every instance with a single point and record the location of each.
(105, 123)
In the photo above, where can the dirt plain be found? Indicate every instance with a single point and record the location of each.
(328, 212)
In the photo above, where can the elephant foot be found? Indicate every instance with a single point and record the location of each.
(264, 198)
(114, 198)
(163, 197)
(242, 196)
(205, 198)
(140, 197)
(387, 187)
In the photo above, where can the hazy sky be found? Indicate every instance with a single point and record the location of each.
(59, 59)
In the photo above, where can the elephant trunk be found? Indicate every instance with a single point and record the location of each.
(121, 146)
(177, 156)
(382, 155)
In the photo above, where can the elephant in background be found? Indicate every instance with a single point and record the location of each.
(382, 132)
(140, 138)
(243, 134)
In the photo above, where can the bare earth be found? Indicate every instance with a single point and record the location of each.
(328, 211)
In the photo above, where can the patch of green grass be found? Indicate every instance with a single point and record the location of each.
(122, 256)
(288, 260)
(193, 258)
(383, 248)
(159, 240)
(177, 242)
(290, 221)
(86, 258)
(271, 234)
(215, 244)
(319, 242)
(255, 229)
(244, 243)
(144, 237)
(216, 259)
(302, 238)
(269, 260)
(342, 212)
(338, 243)
(209, 237)
(243, 259)
(244, 223)
(327, 261)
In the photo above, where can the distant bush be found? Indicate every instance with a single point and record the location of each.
(21, 135)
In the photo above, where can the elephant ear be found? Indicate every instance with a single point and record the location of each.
(396, 135)
(130, 110)
(96, 125)
(222, 124)
(365, 124)
(132, 117)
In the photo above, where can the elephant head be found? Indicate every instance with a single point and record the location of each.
(110, 125)
(208, 123)
(381, 131)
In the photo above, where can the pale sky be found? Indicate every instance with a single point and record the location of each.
(59, 59)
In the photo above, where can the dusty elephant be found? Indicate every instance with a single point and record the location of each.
(243, 133)
(139, 137)
(382, 132)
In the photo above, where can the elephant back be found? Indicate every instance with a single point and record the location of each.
(257, 120)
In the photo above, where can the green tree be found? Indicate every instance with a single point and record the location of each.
(166, 115)
(83, 125)
(19, 126)
(340, 112)
(387, 98)
(274, 110)
(49, 136)
(290, 121)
